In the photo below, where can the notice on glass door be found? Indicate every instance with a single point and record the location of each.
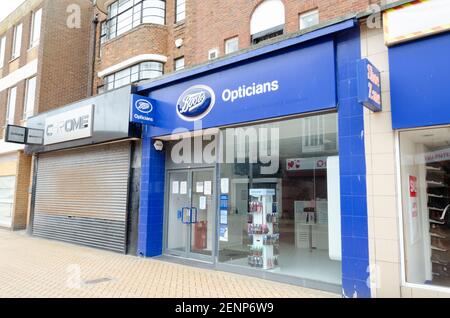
(224, 185)
(175, 187)
(223, 233)
(202, 203)
(208, 188)
(183, 187)
(199, 187)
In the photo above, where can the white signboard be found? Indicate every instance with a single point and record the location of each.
(15, 134)
(35, 136)
(416, 20)
(71, 125)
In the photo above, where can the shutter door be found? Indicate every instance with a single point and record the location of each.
(81, 196)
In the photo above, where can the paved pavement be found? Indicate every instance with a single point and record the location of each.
(33, 267)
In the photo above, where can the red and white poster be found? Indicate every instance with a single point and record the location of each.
(413, 209)
(297, 164)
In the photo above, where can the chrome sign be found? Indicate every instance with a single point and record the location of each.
(195, 103)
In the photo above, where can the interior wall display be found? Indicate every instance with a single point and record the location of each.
(296, 164)
(263, 229)
(439, 215)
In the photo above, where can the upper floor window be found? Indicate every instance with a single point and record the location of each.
(309, 19)
(11, 109)
(2, 51)
(179, 64)
(17, 41)
(180, 10)
(135, 73)
(36, 28)
(267, 21)
(30, 98)
(231, 45)
(124, 15)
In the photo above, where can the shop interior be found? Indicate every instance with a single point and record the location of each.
(425, 171)
(288, 222)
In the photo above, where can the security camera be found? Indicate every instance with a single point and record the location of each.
(159, 145)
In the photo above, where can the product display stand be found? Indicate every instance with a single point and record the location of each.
(438, 208)
(263, 229)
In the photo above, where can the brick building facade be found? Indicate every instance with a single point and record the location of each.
(207, 26)
(50, 71)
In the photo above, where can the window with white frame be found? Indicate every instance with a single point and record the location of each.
(267, 21)
(30, 98)
(179, 63)
(124, 15)
(232, 45)
(17, 41)
(313, 134)
(2, 51)
(180, 10)
(11, 109)
(36, 28)
(135, 73)
(308, 19)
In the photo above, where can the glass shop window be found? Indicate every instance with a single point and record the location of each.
(425, 178)
(279, 204)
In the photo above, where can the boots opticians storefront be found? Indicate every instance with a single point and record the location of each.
(255, 163)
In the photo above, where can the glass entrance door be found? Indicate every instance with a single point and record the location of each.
(190, 214)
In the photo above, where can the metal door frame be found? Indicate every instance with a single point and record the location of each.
(188, 254)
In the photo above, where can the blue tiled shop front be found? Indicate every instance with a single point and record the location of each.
(306, 73)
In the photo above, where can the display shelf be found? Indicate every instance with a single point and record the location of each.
(437, 179)
(263, 229)
(437, 196)
(432, 168)
(436, 184)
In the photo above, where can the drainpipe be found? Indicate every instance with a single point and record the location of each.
(93, 55)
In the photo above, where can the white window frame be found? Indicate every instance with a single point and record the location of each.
(303, 16)
(11, 106)
(36, 24)
(137, 72)
(233, 41)
(17, 41)
(180, 11)
(29, 99)
(178, 60)
(309, 133)
(125, 15)
(2, 51)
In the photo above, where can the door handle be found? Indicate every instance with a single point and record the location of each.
(185, 215)
(194, 215)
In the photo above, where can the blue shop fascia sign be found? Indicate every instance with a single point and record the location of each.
(369, 85)
(294, 81)
(142, 110)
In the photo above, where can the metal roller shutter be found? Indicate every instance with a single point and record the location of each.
(81, 196)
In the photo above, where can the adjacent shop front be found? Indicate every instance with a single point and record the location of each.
(255, 163)
(419, 68)
(86, 173)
